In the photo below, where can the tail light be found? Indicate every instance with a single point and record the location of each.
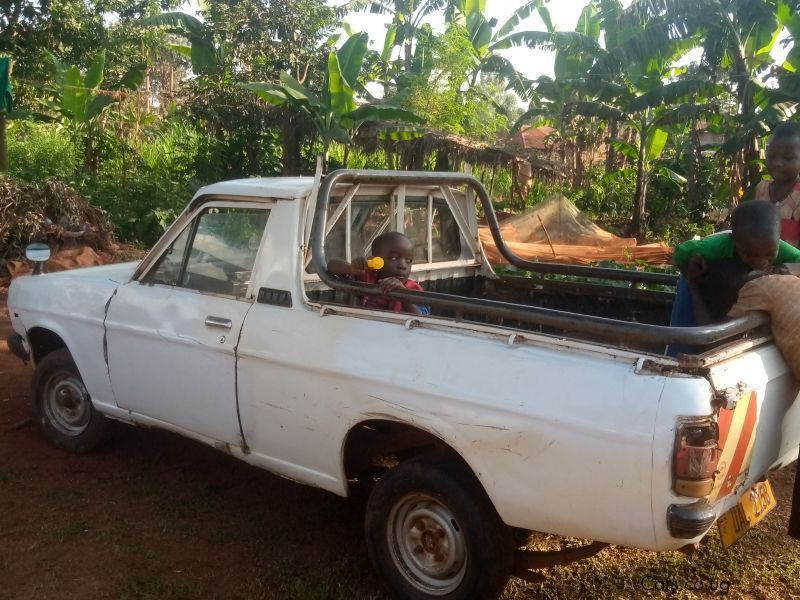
(697, 453)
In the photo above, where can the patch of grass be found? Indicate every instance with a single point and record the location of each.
(344, 579)
(758, 566)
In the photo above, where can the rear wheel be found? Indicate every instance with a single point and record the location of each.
(433, 533)
(63, 407)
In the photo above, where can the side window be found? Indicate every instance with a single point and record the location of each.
(168, 268)
(221, 254)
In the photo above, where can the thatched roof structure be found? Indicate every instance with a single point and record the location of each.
(451, 150)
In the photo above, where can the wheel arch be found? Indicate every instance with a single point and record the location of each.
(43, 341)
(382, 443)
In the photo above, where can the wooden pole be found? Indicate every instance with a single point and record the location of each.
(553, 250)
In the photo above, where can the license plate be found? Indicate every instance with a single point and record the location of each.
(752, 508)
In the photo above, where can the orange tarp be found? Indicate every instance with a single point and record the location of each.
(556, 231)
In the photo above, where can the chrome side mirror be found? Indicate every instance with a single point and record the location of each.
(37, 253)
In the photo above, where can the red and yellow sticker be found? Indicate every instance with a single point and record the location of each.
(737, 429)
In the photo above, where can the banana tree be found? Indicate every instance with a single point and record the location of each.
(204, 55)
(737, 37)
(80, 103)
(629, 81)
(553, 101)
(408, 20)
(488, 39)
(333, 112)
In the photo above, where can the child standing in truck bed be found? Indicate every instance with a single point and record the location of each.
(397, 253)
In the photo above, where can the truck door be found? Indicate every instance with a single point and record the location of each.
(172, 335)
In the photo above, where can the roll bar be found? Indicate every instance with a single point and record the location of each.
(547, 317)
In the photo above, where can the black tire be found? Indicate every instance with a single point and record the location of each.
(63, 408)
(432, 532)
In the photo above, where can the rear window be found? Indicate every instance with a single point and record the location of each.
(369, 217)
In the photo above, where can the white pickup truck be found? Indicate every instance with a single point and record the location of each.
(535, 403)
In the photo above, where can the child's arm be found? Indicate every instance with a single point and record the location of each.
(702, 315)
(389, 284)
(693, 271)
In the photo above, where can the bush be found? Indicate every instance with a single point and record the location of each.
(144, 195)
(39, 151)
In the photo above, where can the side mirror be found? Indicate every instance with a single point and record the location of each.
(37, 253)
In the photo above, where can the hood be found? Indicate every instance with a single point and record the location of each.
(118, 273)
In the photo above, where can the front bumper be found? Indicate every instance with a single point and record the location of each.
(687, 521)
(16, 343)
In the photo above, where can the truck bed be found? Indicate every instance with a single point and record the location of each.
(620, 303)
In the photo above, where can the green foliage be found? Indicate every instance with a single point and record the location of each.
(40, 151)
(333, 113)
(438, 94)
(604, 196)
(144, 196)
(145, 134)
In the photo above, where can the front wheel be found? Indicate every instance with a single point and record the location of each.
(62, 406)
(433, 533)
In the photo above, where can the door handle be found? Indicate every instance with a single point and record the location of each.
(218, 322)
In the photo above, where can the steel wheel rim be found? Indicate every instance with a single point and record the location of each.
(66, 404)
(427, 545)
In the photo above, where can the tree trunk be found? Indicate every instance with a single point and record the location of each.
(641, 186)
(290, 146)
(3, 143)
(442, 160)
(89, 157)
(693, 191)
(611, 154)
(580, 169)
(253, 152)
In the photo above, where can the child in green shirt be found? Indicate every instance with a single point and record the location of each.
(754, 241)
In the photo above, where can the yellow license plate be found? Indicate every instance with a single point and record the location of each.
(753, 507)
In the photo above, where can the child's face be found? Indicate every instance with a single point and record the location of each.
(756, 253)
(783, 159)
(397, 254)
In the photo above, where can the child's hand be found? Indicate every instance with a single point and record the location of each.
(359, 266)
(696, 268)
(389, 284)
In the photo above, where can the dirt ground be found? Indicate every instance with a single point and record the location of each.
(156, 516)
